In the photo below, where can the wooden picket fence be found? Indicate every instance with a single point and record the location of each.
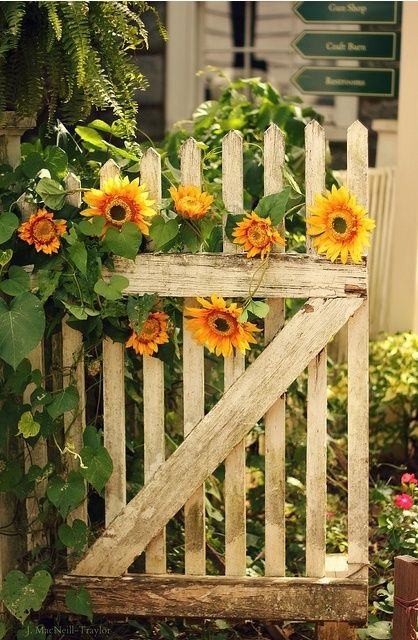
(336, 294)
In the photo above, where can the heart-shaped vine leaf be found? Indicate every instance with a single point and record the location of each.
(21, 327)
(78, 601)
(21, 595)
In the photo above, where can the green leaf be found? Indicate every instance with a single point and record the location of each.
(231, 222)
(56, 160)
(78, 601)
(78, 255)
(27, 426)
(8, 224)
(125, 242)
(47, 282)
(93, 226)
(162, 232)
(91, 136)
(92, 437)
(32, 164)
(51, 192)
(101, 126)
(274, 206)
(113, 289)
(10, 474)
(21, 327)
(81, 312)
(99, 466)
(5, 257)
(258, 308)
(3, 629)
(18, 282)
(380, 630)
(65, 400)
(66, 494)
(138, 309)
(74, 537)
(22, 596)
(189, 237)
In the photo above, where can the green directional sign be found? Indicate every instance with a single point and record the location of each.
(347, 44)
(346, 81)
(355, 12)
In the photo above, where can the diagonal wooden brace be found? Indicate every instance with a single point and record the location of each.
(207, 445)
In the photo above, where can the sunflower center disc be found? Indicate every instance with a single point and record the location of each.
(118, 212)
(339, 225)
(222, 325)
(258, 236)
(149, 329)
(44, 231)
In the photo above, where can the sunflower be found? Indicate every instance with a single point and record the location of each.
(217, 326)
(120, 201)
(190, 202)
(153, 333)
(340, 225)
(43, 231)
(256, 234)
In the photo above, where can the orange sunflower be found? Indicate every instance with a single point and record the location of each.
(153, 333)
(217, 326)
(257, 235)
(43, 231)
(340, 225)
(120, 201)
(190, 202)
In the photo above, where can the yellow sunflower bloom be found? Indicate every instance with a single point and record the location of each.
(43, 231)
(257, 235)
(340, 225)
(190, 202)
(120, 201)
(152, 334)
(216, 325)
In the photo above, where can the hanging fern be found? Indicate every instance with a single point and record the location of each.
(66, 57)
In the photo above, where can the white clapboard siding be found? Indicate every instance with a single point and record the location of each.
(358, 389)
(193, 395)
(114, 405)
(275, 427)
(381, 207)
(316, 438)
(153, 390)
(234, 366)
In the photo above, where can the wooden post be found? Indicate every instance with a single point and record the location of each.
(406, 598)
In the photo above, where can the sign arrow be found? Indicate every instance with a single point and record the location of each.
(355, 12)
(347, 44)
(346, 81)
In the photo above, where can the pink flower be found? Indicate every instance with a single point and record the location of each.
(404, 501)
(409, 478)
(330, 514)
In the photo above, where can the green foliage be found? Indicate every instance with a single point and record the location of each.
(66, 57)
(22, 325)
(78, 601)
(21, 595)
(248, 106)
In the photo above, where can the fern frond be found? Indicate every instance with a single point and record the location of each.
(76, 35)
(54, 19)
(11, 17)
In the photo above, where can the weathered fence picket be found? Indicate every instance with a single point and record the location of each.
(274, 420)
(193, 396)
